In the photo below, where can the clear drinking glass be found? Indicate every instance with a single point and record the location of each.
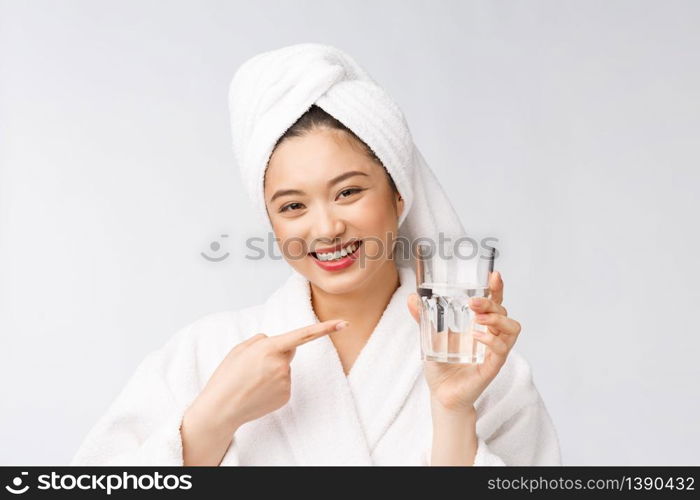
(447, 276)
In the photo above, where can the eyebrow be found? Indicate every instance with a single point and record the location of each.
(341, 177)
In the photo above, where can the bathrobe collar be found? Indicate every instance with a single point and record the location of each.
(331, 418)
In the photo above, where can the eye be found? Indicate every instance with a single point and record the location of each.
(351, 190)
(284, 208)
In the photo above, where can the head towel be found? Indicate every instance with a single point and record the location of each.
(271, 90)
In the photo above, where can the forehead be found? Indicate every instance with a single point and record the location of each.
(316, 157)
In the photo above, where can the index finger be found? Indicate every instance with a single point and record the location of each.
(289, 340)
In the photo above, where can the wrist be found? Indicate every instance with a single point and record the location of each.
(216, 415)
(205, 438)
(458, 410)
(454, 440)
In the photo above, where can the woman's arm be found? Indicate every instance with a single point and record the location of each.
(454, 436)
(205, 438)
(517, 427)
(527, 437)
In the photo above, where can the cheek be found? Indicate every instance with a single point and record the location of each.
(373, 213)
(294, 249)
(290, 243)
(378, 228)
(373, 248)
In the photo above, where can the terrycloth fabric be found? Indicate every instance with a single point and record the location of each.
(270, 91)
(378, 415)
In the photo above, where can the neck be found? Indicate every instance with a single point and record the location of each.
(366, 302)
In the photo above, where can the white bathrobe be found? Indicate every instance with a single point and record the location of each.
(379, 414)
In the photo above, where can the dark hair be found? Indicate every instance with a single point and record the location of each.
(315, 117)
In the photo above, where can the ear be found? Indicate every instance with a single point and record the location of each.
(399, 204)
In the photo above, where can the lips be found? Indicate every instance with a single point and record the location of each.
(335, 249)
(340, 264)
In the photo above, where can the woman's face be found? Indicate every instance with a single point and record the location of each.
(314, 201)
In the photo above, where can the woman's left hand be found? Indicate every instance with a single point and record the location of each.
(457, 386)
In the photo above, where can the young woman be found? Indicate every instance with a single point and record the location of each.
(327, 371)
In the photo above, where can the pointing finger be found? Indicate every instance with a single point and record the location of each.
(290, 340)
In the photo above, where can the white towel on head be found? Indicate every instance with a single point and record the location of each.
(271, 90)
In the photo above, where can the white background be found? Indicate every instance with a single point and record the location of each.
(567, 129)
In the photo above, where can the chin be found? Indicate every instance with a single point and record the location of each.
(345, 281)
(337, 282)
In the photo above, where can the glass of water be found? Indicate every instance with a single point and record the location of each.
(447, 276)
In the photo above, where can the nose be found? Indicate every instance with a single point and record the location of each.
(327, 227)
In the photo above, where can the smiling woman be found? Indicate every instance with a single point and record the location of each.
(328, 370)
(325, 191)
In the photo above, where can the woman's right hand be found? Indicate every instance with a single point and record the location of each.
(254, 378)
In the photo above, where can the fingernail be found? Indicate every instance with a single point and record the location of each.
(475, 301)
(416, 300)
(342, 325)
(499, 275)
(477, 333)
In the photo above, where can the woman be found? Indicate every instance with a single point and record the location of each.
(327, 371)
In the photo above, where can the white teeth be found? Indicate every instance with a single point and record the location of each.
(338, 254)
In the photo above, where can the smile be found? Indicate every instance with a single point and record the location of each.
(339, 259)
